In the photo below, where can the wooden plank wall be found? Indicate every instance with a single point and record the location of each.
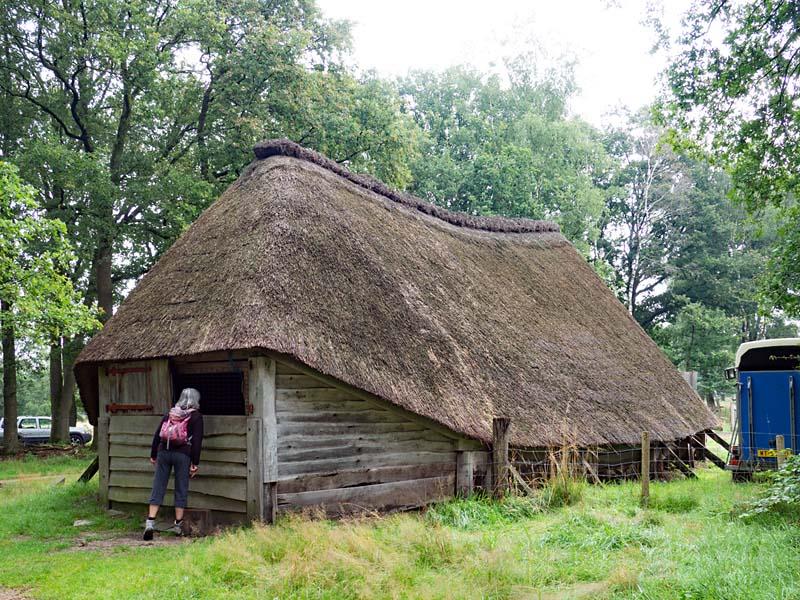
(221, 482)
(122, 383)
(347, 454)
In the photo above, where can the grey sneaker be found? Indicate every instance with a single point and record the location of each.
(176, 528)
(149, 529)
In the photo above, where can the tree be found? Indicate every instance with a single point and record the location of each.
(497, 148)
(737, 98)
(646, 194)
(131, 116)
(701, 339)
(35, 297)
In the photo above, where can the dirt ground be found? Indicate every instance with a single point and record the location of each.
(131, 540)
(6, 594)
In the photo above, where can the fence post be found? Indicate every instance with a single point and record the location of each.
(779, 450)
(645, 468)
(500, 428)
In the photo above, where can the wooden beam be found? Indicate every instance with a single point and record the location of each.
(102, 459)
(500, 435)
(645, 499)
(255, 470)
(718, 438)
(270, 502)
(465, 466)
(682, 466)
(262, 397)
(90, 471)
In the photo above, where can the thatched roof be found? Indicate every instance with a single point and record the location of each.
(456, 318)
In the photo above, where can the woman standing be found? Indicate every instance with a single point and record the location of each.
(176, 447)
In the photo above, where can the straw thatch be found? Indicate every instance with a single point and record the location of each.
(456, 318)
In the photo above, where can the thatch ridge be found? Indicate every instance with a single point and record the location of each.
(456, 324)
(285, 147)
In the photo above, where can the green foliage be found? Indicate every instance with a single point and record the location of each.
(783, 495)
(478, 511)
(490, 148)
(34, 255)
(164, 107)
(673, 502)
(701, 339)
(584, 531)
(733, 90)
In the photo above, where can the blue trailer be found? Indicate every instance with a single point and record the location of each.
(767, 373)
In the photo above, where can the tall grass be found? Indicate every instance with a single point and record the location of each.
(603, 545)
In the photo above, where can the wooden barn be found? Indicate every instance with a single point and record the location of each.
(352, 346)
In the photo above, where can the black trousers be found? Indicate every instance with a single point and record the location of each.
(169, 460)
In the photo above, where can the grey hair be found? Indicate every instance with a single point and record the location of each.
(189, 400)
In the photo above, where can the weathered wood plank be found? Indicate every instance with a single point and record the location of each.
(361, 394)
(284, 368)
(216, 442)
(270, 501)
(104, 392)
(161, 386)
(262, 397)
(353, 406)
(313, 395)
(369, 416)
(196, 500)
(290, 455)
(211, 468)
(359, 477)
(387, 496)
(235, 489)
(103, 459)
(301, 441)
(465, 466)
(296, 381)
(368, 461)
(255, 470)
(232, 456)
(344, 428)
(212, 424)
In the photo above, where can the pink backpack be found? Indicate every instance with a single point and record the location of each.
(175, 429)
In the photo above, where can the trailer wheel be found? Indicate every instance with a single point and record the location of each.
(742, 476)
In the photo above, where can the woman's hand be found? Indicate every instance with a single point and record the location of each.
(152, 460)
(192, 470)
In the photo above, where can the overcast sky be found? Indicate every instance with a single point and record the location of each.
(606, 37)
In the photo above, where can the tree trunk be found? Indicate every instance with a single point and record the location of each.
(63, 390)
(10, 413)
(56, 386)
(102, 265)
(68, 389)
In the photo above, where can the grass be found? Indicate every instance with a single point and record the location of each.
(688, 544)
(74, 461)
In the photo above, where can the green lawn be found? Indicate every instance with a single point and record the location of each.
(687, 545)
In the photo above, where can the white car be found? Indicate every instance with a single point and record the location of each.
(36, 430)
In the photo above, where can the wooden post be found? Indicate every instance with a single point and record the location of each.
(780, 450)
(255, 470)
(465, 469)
(102, 459)
(270, 501)
(500, 431)
(645, 468)
(262, 397)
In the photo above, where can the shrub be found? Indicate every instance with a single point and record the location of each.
(783, 495)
